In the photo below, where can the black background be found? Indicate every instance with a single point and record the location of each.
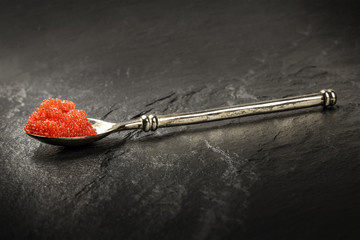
(290, 175)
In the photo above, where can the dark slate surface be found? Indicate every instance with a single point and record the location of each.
(291, 175)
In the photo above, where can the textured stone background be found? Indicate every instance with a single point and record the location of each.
(291, 175)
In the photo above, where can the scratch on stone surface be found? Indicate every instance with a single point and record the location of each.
(110, 111)
(302, 70)
(105, 162)
(261, 146)
(107, 114)
(231, 172)
(109, 153)
(276, 135)
(108, 157)
(192, 92)
(144, 136)
(160, 99)
(141, 113)
(319, 74)
(217, 150)
(173, 100)
(88, 187)
(167, 165)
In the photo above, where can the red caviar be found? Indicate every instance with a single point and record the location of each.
(59, 118)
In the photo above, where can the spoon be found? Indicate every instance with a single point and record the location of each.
(325, 98)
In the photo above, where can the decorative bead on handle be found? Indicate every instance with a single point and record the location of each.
(329, 96)
(149, 122)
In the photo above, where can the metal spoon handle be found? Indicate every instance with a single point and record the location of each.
(152, 122)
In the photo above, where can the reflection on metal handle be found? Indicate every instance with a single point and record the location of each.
(151, 122)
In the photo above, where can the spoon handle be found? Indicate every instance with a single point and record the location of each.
(325, 98)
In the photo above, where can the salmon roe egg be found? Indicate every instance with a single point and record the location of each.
(59, 118)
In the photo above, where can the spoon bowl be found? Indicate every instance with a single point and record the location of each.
(102, 128)
(326, 98)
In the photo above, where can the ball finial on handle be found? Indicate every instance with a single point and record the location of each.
(329, 97)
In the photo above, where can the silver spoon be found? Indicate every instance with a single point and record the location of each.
(151, 122)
